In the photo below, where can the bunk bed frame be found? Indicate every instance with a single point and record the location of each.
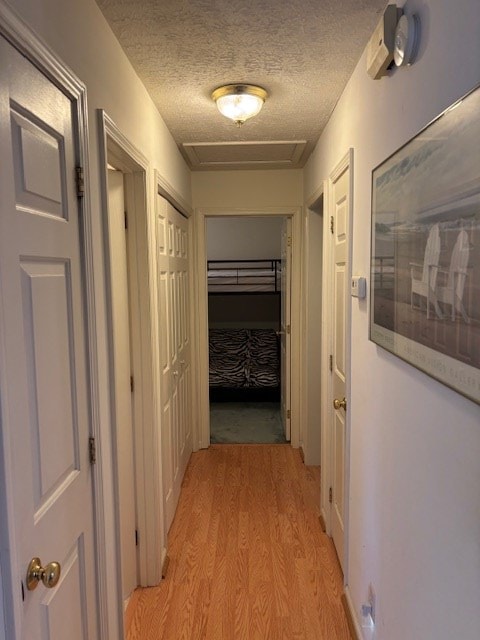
(243, 276)
(244, 362)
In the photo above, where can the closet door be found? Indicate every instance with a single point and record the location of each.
(173, 292)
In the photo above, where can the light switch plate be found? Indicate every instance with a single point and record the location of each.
(359, 287)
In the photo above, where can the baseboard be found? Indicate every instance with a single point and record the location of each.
(322, 523)
(165, 564)
(302, 455)
(352, 621)
(323, 517)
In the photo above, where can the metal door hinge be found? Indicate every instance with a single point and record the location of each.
(125, 216)
(331, 362)
(132, 385)
(289, 241)
(288, 414)
(92, 450)
(288, 329)
(330, 495)
(136, 537)
(80, 180)
(331, 224)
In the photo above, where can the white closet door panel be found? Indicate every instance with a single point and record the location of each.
(175, 357)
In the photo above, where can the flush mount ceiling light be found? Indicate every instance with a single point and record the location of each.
(239, 102)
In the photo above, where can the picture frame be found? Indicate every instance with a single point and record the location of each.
(425, 249)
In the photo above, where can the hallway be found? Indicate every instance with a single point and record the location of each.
(248, 559)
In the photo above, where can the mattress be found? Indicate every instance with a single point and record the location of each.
(244, 358)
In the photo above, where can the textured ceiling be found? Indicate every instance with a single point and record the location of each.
(301, 51)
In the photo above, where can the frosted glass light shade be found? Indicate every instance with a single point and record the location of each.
(239, 102)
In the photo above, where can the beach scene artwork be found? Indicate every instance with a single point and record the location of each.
(425, 264)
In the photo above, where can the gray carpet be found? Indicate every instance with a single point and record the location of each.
(245, 423)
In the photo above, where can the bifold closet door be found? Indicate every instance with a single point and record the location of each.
(173, 292)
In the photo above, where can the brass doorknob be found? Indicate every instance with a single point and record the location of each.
(340, 404)
(49, 575)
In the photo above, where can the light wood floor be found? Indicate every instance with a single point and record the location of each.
(248, 559)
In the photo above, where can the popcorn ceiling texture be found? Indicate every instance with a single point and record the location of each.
(301, 51)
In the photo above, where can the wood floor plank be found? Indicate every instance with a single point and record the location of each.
(248, 559)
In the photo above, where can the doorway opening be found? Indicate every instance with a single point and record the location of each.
(129, 235)
(314, 350)
(119, 193)
(248, 285)
(200, 300)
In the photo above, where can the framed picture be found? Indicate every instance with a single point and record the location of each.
(425, 254)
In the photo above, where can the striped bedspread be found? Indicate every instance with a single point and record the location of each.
(244, 358)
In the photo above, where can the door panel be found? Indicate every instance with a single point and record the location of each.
(339, 329)
(340, 296)
(50, 364)
(172, 264)
(39, 162)
(59, 618)
(45, 406)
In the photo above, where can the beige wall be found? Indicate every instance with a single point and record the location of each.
(245, 238)
(414, 520)
(250, 190)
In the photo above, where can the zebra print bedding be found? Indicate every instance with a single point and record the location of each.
(244, 358)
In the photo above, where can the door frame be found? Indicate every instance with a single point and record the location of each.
(145, 334)
(22, 38)
(327, 345)
(200, 355)
(149, 513)
(142, 241)
(312, 401)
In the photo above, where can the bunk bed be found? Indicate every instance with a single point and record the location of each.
(244, 361)
(243, 276)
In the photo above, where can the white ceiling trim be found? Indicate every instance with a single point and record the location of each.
(272, 154)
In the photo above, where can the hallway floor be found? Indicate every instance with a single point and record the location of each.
(248, 559)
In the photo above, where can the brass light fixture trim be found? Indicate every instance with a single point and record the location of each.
(239, 102)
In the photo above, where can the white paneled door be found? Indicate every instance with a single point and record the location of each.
(45, 415)
(340, 223)
(173, 292)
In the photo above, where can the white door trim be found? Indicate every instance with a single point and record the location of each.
(19, 34)
(200, 353)
(165, 189)
(327, 345)
(142, 240)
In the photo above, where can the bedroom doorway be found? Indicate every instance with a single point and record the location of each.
(132, 366)
(122, 405)
(248, 283)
